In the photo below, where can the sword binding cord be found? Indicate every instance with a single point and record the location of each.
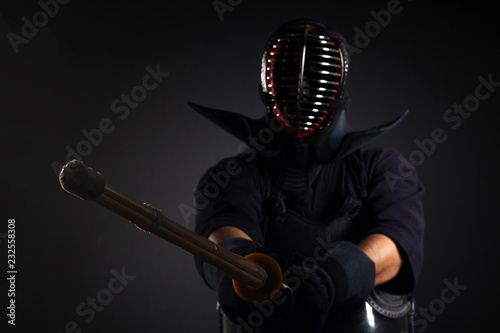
(156, 224)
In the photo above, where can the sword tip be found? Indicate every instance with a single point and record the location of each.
(80, 180)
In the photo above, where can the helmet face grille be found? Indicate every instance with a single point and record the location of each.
(303, 72)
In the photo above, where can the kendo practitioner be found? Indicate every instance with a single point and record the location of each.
(315, 195)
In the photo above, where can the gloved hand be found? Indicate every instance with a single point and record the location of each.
(315, 285)
(339, 275)
(254, 314)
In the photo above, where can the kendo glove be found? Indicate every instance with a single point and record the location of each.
(238, 310)
(341, 274)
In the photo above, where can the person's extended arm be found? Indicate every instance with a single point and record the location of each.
(379, 248)
(385, 254)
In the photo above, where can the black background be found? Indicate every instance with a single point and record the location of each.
(63, 80)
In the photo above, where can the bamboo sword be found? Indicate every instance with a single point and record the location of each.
(256, 277)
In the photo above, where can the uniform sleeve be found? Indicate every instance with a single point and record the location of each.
(393, 207)
(231, 194)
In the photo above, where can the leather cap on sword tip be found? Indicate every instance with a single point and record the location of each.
(80, 180)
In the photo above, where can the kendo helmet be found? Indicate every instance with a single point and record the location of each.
(303, 83)
(304, 72)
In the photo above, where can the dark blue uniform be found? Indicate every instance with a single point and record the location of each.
(373, 185)
(372, 190)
